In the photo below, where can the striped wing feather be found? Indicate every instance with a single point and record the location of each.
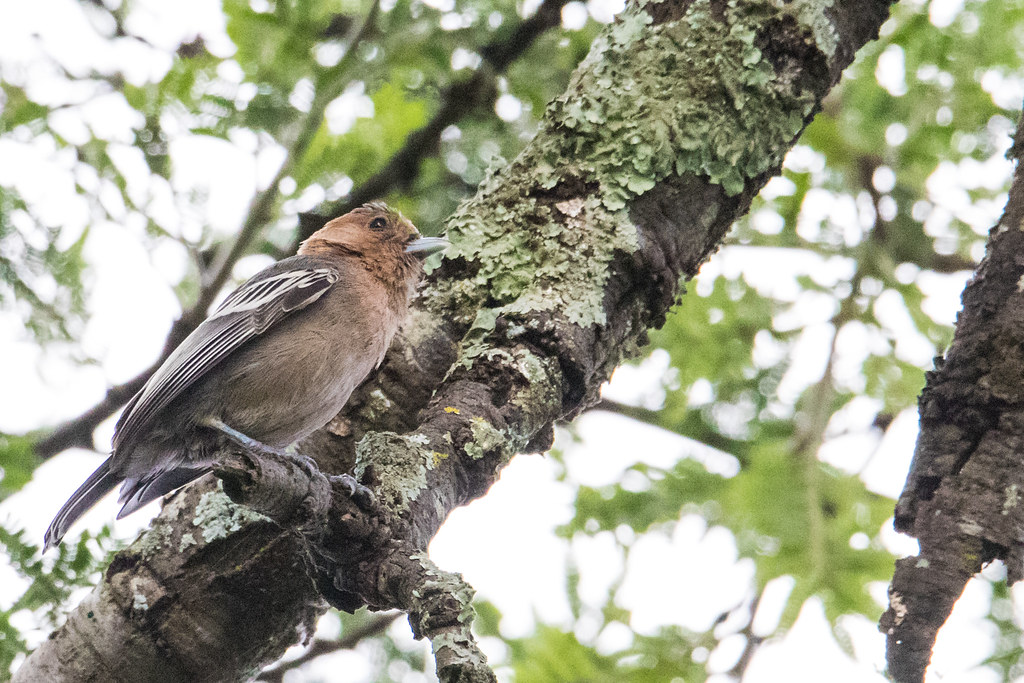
(249, 311)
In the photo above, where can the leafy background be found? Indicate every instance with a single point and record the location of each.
(732, 495)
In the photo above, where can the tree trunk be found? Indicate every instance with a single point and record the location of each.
(558, 266)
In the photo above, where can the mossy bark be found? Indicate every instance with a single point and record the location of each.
(560, 264)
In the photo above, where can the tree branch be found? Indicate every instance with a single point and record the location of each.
(962, 496)
(638, 413)
(557, 268)
(373, 626)
(752, 641)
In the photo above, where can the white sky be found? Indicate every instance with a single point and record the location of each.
(687, 577)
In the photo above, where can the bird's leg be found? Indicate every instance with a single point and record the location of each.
(239, 439)
(258, 447)
(361, 495)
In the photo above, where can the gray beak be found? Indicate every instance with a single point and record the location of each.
(425, 246)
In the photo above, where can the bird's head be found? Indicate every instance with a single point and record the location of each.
(385, 241)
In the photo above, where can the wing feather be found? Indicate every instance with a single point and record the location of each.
(249, 311)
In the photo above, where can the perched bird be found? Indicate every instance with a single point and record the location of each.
(277, 360)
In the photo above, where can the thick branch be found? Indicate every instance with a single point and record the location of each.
(963, 492)
(558, 267)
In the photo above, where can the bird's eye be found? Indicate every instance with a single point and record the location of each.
(378, 224)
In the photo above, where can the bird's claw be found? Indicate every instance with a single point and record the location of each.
(361, 495)
(308, 464)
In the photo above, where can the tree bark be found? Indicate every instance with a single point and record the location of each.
(560, 263)
(963, 492)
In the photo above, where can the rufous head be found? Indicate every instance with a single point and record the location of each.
(384, 240)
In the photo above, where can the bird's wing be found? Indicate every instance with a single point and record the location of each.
(249, 311)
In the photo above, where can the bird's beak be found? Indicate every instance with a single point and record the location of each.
(425, 246)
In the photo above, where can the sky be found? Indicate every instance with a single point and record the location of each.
(686, 577)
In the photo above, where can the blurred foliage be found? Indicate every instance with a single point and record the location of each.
(17, 461)
(40, 276)
(888, 195)
(48, 586)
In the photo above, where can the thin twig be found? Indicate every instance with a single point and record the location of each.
(645, 415)
(378, 624)
(753, 641)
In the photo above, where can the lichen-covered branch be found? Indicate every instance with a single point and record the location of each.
(559, 265)
(963, 492)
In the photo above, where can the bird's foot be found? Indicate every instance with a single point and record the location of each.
(360, 495)
(306, 463)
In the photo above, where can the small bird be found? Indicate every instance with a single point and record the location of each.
(277, 360)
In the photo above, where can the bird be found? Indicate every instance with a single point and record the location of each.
(275, 361)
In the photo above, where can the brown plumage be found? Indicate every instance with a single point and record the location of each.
(277, 360)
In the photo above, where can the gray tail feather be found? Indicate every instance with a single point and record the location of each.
(138, 492)
(95, 487)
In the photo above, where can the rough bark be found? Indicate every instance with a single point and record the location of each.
(559, 265)
(963, 492)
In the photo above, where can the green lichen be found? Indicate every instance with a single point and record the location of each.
(691, 94)
(810, 14)
(487, 439)
(448, 640)
(155, 538)
(141, 588)
(218, 517)
(531, 257)
(898, 607)
(187, 541)
(451, 585)
(537, 372)
(377, 404)
(400, 464)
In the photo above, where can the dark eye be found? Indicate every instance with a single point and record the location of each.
(378, 224)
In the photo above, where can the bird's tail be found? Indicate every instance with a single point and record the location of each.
(95, 487)
(137, 492)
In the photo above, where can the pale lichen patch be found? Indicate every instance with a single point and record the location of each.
(1012, 499)
(685, 95)
(486, 440)
(218, 517)
(400, 465)
(898, 607)
(187, 541)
